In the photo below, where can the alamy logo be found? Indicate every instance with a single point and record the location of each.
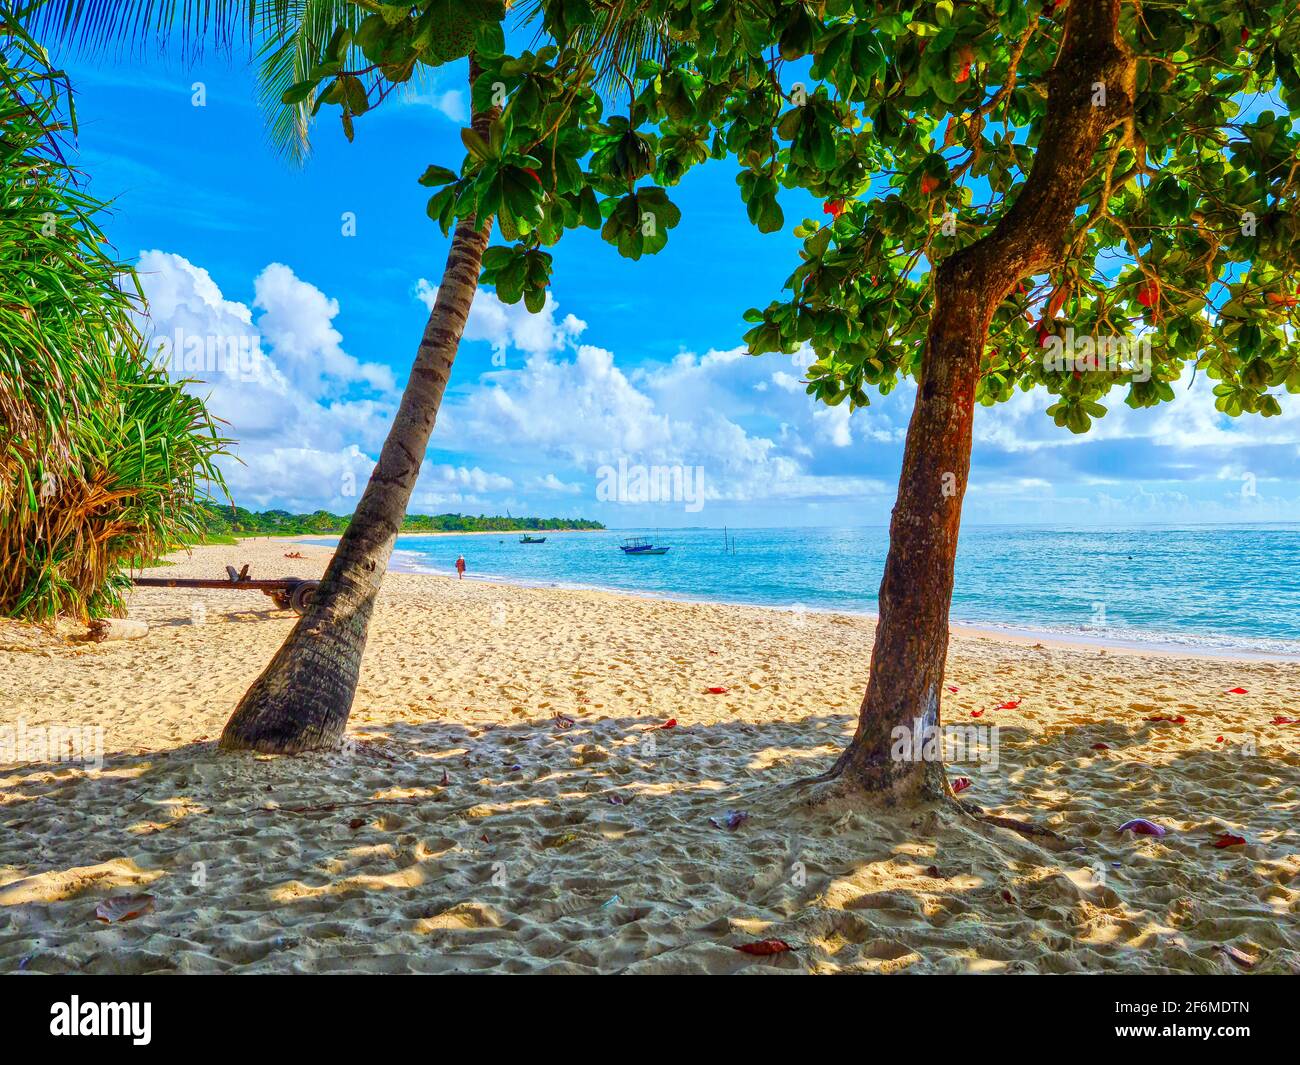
(652, 484)
(1085, 353)
(103, 1018)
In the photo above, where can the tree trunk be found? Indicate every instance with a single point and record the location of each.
(905, 687)
(302, 700)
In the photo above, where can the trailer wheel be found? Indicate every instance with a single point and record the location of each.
(301, 596)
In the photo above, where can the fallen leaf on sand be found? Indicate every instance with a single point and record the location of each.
(732, 820)
(1101, 746)
(1236, 691)
(445, 779)
(1286, 720)
(952, 689)
(124, 908)
(1010, 704)
(1142, 827)
(670, 723)
(1179, 720)
(1227, 839)
(1243, 959)
(977, 713)
(563, 721)
(356, 823)
(764, 947)
(716, 691)
(960, 784)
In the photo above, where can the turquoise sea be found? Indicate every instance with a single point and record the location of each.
(1214, 588)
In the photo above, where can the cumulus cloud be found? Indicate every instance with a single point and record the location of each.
(511, 325)
(307, 416)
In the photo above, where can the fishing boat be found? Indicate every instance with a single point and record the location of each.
(526, 539)
(639, 545)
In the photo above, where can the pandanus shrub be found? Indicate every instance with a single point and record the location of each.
(102, 455)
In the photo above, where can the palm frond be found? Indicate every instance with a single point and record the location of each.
(97, 27)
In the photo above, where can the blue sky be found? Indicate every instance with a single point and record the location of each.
(633, 361)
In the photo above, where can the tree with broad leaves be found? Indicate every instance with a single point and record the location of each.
(1087, 199)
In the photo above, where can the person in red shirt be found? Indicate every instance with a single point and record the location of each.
(460, 566)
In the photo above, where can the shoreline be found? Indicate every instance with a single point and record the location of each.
(1014, 635)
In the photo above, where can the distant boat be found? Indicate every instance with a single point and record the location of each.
(639, 545)
(532, 539)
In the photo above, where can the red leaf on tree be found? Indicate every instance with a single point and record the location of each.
(764, 947)
(928, 184)
(834, 208)
(1227, 839)
(1148, 293)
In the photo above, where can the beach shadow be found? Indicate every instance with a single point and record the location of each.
(440, 846)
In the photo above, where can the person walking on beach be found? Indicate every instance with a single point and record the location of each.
(460, 566)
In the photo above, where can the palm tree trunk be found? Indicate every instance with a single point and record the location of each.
(905, 687)
(303, 698)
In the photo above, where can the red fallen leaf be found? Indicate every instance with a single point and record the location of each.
(356, 823)
(977, 713)
(1236, 691)
(960, 784)
(1008, 897)
(563, 721)
(1148, 293)
(670, 723)
(764, 947)
(952, 689)
(1286, 720)
(445, 779)
(1227, 839)
(1219, 740)
(1010, 704)
(928, 184)
(834, 208)
(716, 691)
(124, 908)
(1179, 720)
(484, 838)
(1101, 747)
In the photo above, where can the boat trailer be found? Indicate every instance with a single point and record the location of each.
(288, 593)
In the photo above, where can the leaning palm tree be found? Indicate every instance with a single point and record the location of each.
(303, 698)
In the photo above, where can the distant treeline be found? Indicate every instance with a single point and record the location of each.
(225, 521)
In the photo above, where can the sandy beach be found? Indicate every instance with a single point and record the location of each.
(464, 828)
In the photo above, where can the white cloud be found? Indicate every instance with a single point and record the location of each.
(307, 416)
(511, 325)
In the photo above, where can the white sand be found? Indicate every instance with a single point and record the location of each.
(534, 868)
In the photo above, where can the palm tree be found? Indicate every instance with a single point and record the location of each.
(303, 698)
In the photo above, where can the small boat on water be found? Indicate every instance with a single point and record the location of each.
(639, 545)
(526, 539)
